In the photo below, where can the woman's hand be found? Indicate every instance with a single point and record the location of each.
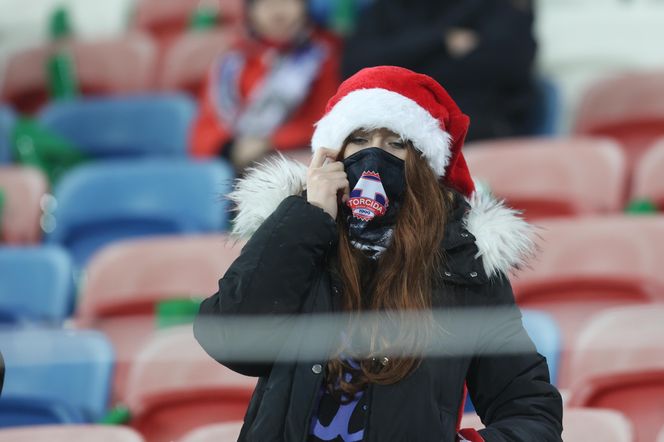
(326, 180)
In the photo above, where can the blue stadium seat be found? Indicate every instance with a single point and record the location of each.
(545, 334)
(7, 120)
(54, 375)
(102, 202)
(154, 125)
(547, 110)
(36, 284)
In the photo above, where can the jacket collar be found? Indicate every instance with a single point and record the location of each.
(483, 236)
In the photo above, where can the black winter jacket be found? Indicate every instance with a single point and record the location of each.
(283, 275)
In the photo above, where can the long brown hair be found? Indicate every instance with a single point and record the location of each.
(404, 278)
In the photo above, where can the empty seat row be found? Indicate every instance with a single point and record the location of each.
(98, 203)
(565, 177)
(126, 65)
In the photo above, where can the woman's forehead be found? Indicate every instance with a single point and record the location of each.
(383, 131)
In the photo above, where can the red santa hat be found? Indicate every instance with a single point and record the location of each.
(412, 105)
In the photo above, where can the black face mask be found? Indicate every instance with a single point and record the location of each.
(377, 181)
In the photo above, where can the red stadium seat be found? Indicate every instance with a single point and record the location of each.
(590, 264)
(580, 425)
(648, 176)
(552, 177)
(618, 363)
(175, 387)
(187, 62)
(629, 108)
(70, 433)
(23, 189)
(120, 66)
(226, 432)
(167, 19)
(126, 280)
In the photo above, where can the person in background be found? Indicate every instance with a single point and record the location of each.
(268, 91)
(482, 50)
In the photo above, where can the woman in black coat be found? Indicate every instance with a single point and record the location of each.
(368, 303)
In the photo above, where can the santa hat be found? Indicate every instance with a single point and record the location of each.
(412, 105)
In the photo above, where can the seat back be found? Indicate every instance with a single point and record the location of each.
(173, 382)
(36, 284)
(187, 62)
(23, 190)
(544, 332)
(648, 182)
(628, 107)
(145, 271)
(70, 433)
(580, 425)
(584, 424)
(155, 125)
(167, 19)
(61, 366)
(226, 432)
(117, 66)
(618, 363)
(7, 121)
(552, 177)
(99, 203)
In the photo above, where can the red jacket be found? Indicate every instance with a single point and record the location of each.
(209, 134)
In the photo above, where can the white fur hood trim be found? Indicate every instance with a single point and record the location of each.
(504, 240)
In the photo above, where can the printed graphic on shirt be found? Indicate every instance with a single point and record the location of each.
(368, 199)
(339, 422)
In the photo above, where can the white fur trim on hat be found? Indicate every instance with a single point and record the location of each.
(380, 108)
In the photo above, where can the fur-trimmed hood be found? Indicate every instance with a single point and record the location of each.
(503, 239)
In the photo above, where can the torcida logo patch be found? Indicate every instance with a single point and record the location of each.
(368, 199)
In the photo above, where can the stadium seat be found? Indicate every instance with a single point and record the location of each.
(54, 371)
(187, 62)
(648, 178)
(175, 387)
(23, 190)
(36, 284)
(165, 20)
(226, 432)
(618, 363)
(628, 107)
(7, 120)
(108, 67)
(150, 125)
(70, 433)
(126, 280)
(587, 265)
(546, 114)
(586, 424)
(552, 177)
(579, 425)
(99, 203)
(544, 332)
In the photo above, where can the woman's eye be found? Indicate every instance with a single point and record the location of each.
(398, 144)
(358, 140)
